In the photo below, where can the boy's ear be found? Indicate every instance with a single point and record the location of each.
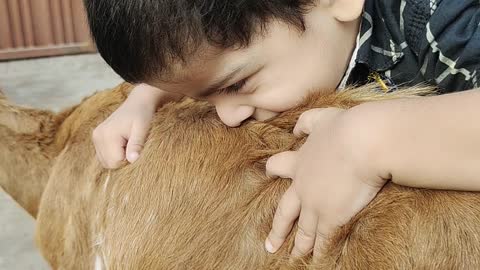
(346, 10)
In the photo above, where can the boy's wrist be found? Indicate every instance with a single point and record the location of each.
(370, 126)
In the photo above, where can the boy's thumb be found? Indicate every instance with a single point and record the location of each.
(282, 164)
(135, 143)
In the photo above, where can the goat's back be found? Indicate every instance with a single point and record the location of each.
(198, 198)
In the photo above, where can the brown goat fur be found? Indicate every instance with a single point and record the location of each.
(198, 197)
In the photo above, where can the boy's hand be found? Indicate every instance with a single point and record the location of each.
(333, 179)
(122, 135)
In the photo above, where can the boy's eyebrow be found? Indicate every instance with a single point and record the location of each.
(220, 82)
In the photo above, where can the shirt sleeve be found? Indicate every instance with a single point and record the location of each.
(449, 45)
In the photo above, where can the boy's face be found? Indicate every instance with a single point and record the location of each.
(274, 73)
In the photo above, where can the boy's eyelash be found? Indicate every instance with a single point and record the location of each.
(234, 88)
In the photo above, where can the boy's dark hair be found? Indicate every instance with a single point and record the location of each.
(140, 39)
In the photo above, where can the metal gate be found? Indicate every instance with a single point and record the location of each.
(36, 28)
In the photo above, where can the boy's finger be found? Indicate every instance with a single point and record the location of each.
(136, 142)
(282, 165)
(114, 152)
(312, 118)
(287, 212)
(305, 122)
(306, 233)
(323, 231)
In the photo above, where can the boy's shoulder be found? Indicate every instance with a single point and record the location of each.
(416, 41)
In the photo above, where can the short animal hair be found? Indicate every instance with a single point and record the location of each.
(141, 39)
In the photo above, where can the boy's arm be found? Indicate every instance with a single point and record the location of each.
(429, 142)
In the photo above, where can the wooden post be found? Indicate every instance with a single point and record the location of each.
(36, 28)
(26, 18)
(5, 27)
(56, 11)
(42, 27)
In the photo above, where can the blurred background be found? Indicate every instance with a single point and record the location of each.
(47, 60)
(34, 28)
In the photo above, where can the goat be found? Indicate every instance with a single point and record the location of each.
(198, 197)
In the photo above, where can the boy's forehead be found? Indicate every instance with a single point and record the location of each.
(203, 60)
(202, 71)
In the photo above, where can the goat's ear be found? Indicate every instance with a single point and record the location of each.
(2, 95)
(17, 119)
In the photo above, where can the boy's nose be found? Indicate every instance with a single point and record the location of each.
(234, 115)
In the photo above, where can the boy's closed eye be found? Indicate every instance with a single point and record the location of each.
(233, 89)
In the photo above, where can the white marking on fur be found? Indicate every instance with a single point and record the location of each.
(98, 263)
(125, 199)
(110, 211)
(151, 218)
(100, 258)
(99, 240)
(106, 182)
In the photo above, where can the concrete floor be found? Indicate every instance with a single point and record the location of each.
(52, 83)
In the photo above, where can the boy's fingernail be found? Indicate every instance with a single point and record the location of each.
(269, 246)
(132, 157)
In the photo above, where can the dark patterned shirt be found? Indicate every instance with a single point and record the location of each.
(408, 42)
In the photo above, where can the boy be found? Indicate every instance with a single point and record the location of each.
(261, 57)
